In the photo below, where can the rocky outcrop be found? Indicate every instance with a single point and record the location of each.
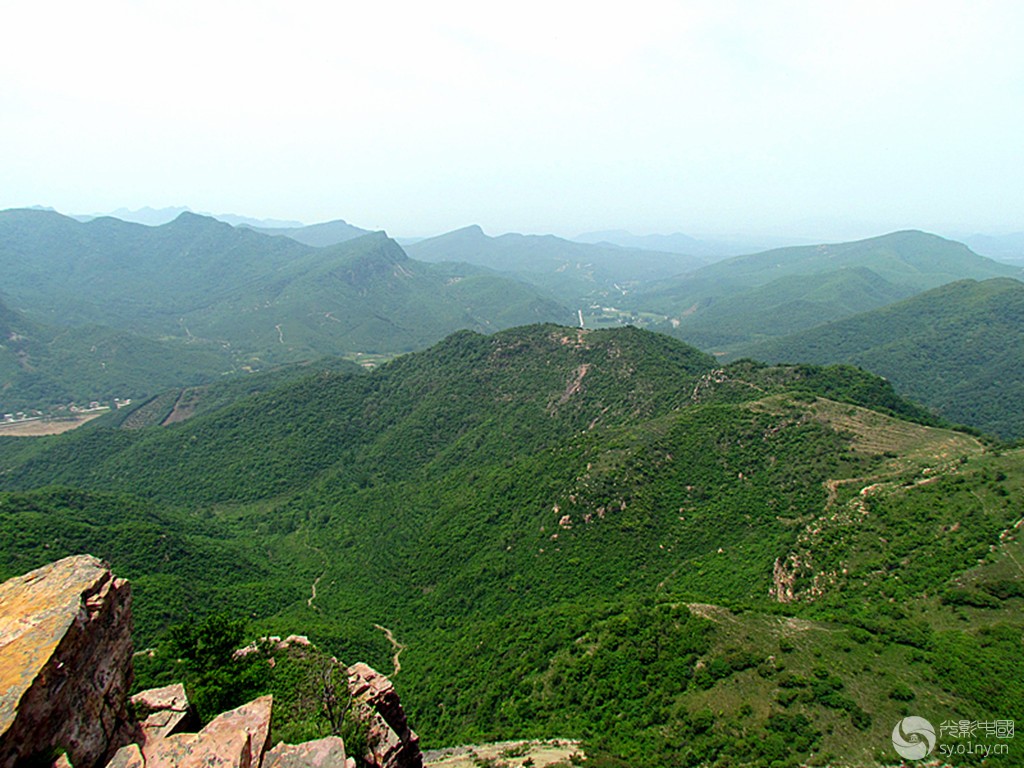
(65, 663)
(235, 739)
(65, 672)
(392, 743)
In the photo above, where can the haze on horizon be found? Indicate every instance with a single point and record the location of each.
(784, 118)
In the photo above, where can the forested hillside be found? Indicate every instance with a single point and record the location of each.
(111, 308)
(778, 292)
(576, 273)
(957, 348)
(598, 534)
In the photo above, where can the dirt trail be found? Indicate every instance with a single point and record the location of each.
(316, 581)
(394, 644)
(312, 590)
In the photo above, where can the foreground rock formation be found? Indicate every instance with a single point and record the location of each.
(65, 673)
(65, 663)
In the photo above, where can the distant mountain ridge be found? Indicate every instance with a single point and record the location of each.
(264, 299)
(957, 348)
(744, 298)
(317, 235)
(154, 217)
(712, 249)
(572, 271)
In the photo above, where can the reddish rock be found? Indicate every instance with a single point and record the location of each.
(128, 757)
(65, 662)
(235, 739)
(322, 753)
(163, 711)
(392, 743)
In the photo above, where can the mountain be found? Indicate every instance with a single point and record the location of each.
(317, 235)
(677, 242)
(956, 348)
(782, 306)
(576, 273)
(736, 301)
(602, 535)
(270, 299)
(42, 366)
(154, 217)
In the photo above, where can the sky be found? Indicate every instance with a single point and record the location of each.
(810, 118)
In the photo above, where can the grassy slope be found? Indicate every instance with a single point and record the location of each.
(785, 305)
(41, 366)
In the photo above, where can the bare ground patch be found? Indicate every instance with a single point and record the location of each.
(44, 426)
(510, 754)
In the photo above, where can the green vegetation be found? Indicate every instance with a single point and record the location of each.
(956, 348)
(739, 300)
(43, 366)
(603, 535)
(575, 273)
(210, 298)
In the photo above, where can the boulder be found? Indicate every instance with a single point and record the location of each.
(65, 663)
(128, 757)
(162, 711)
(322, 753)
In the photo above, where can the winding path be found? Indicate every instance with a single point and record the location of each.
(323, 559)
(394, 644)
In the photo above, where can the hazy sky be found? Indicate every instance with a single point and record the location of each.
(816, 117)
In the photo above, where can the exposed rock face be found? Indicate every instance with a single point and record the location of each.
(393, 743)
(65, 662)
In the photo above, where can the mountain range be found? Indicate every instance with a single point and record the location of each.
(109, 307)
(575, 273)
(778, 292)
(267, 299)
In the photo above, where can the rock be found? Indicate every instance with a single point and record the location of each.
(322, 753)
(164, 711)
(234, 739)
(128, 757)
(66, 663)
(392, 743)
